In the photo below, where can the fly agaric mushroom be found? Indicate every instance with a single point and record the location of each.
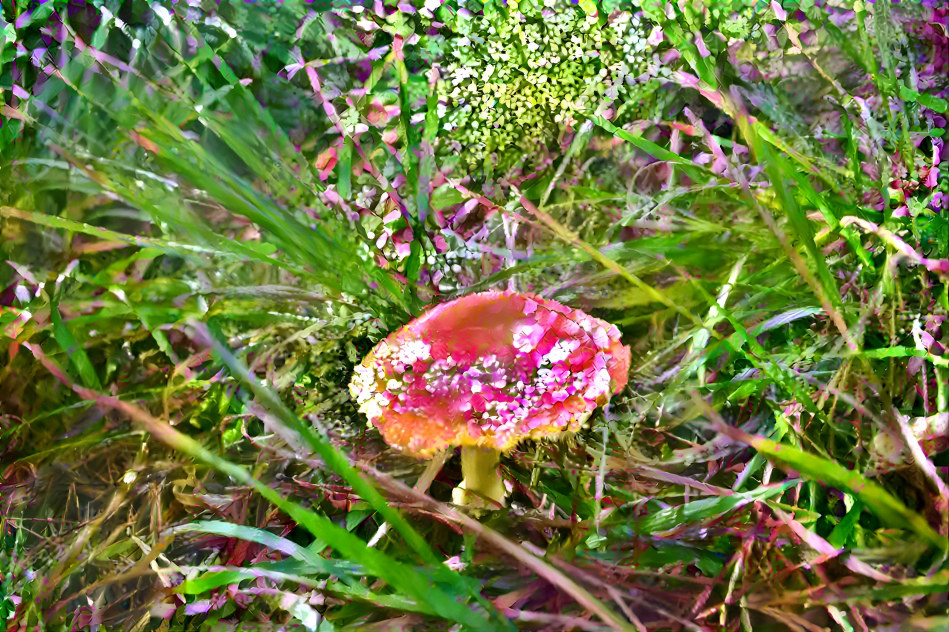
(485, 372)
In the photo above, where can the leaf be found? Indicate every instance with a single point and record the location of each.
(930, 101)
(787, 317)
(314, 562)
(777, 169)
(39, 14)
(297, 572)
(651, 148)
(841, 534)
(665, 553)
(73, 349)
(344, 169)
(697, 511)
(445, 196)
(894, 352)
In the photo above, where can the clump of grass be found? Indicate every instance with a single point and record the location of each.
(209, 217)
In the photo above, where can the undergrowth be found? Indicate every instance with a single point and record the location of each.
(210, 215)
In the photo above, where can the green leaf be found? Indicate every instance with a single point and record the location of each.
(595, 540)
(697, 511)
(589, 7)
(299, 573)
(709, 564)
(894, 352)
(777, 169)
(665, 553)
(445, 196)
(73, 349)
(315, 562)
(39, 14)
(841, 534)
(930, 101)
(908, 586)
(344, 169)
(354, 517)
(647, 146)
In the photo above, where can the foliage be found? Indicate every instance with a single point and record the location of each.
(209, 215)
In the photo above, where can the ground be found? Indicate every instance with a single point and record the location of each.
(211, 212)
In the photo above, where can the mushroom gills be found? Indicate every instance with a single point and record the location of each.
(481, 484)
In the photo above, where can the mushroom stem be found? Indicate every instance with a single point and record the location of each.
(481, 483)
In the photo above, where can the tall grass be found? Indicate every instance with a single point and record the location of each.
(209, 216)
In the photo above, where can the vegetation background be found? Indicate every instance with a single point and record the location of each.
(211, 211)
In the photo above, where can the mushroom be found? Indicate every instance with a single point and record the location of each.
(484, 372)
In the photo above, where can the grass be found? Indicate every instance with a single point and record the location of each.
(209, 216)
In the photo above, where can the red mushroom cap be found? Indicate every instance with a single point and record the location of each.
(489, 370)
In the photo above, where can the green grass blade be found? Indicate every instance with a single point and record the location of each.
(299, 573)
(698, 511)
(333, 458)
(70, 346)
(883, 504)
(420, 586)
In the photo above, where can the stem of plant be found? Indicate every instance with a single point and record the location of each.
(481, 483)
(424, 482)
(942, 389)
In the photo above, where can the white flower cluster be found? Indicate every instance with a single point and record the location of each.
(515, 81)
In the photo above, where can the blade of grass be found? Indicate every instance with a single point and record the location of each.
(824, 287)
(52, 221)
(570, 237)
(698, 511)
(333, 458)
(883, 504)
(209, 578)
(314, 562)
(826, 551)
(67, 342)
(759, 357)
(536, 564)
(400, 576)
(656, 151)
